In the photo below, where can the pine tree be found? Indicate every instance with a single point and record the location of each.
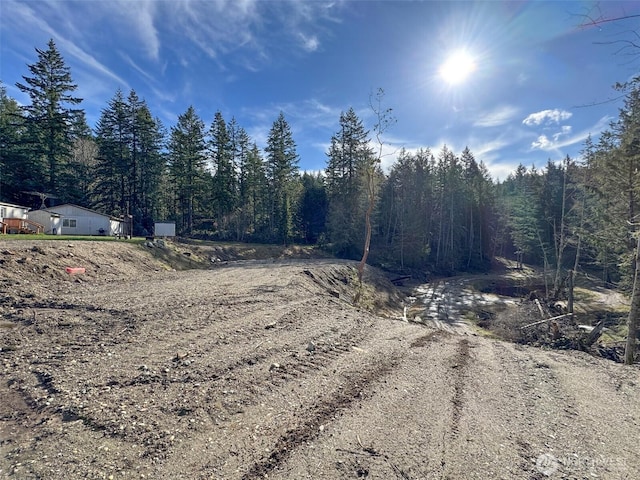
(224, 174)
(129, 162)
(347, 159)
(281, 173)
(253, 193)
(313, 207)
(405, 212)
(77, 178)
(150, 167)
(113, 163)
(16, 172)
(49, 116)
(187, 168)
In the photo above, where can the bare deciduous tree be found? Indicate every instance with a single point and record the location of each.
(384, 120)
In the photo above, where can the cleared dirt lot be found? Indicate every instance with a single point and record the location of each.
(260, 369)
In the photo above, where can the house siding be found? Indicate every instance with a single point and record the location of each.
(52, 222)
(8, 210)
(81, 221)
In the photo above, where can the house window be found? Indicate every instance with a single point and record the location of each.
(3, 212)
(69, 222)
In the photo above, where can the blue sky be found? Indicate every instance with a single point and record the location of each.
(536, 72)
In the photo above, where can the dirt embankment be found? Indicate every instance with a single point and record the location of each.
(265, 368)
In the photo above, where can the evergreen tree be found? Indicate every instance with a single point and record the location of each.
(282, 174)
(16, 172)
(224, 174)
(405, 212)
(187, 168)
(313, 207)
(129, 162)
(347, 160)
(253, 193)
(50, 115)
(113, 162)
(150, 162)
(77, 178)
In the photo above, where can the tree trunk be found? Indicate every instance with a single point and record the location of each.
(367, 219)
(570, 291)
(632, 323)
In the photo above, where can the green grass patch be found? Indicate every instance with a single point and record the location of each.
(69, 238)
(615, 334)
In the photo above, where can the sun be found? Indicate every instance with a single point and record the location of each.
(458, 67)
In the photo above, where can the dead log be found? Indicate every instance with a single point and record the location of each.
(546, 320)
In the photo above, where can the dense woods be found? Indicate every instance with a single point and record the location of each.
(437, 211)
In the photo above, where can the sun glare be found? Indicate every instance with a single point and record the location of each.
(458, 67)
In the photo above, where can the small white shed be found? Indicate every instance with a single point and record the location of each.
(164, 229)
(51, 221)
(78, 220)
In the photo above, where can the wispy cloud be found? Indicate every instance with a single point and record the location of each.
(137, 67)
(23, 14)
(547, 117)
(497, 117)
(140, 16)
(246, 28)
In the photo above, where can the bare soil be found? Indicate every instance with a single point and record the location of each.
(264, 369)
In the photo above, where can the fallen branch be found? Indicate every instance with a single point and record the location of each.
(594, 335)
(546, 320)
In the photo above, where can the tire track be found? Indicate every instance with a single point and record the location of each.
(327, 408)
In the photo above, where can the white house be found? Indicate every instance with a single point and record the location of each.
(78, 220)
(8, 210)
(51, 221)
(13, 219)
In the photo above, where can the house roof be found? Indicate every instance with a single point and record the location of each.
(110, 217)
(53, 214)
(5, 204)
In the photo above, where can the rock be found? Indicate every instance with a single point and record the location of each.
(311, 347)
(180, 356)
(275, 366)
(271, 325)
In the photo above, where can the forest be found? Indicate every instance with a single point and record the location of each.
(434, 211)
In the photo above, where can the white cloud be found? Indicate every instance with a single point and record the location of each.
(497, 117)
(543, 143)
(547, 117)
(562, 139)
(310, 44)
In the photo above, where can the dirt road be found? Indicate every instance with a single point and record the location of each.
(265, 369)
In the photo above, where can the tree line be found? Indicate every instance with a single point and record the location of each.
(432, 211)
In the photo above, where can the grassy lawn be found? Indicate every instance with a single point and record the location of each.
(68, 238)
